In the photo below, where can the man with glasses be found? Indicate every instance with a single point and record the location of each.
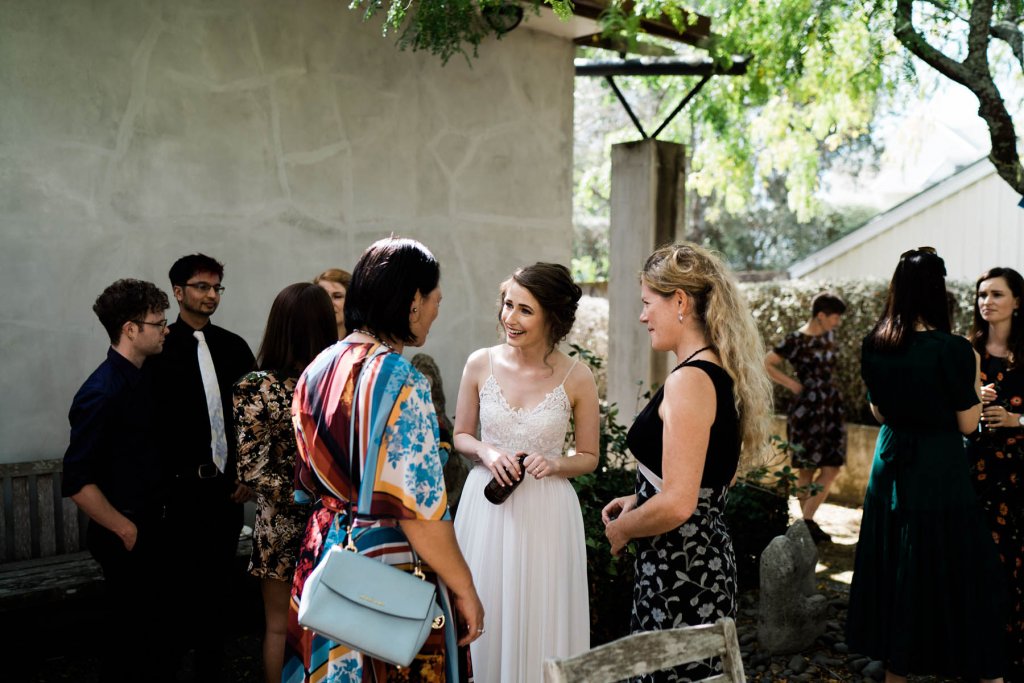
(112, 471)
(193, 380)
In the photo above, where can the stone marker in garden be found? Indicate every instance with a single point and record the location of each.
(791, 614)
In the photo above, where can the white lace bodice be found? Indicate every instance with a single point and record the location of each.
(538, 430)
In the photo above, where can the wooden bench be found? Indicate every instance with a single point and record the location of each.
(42, 537)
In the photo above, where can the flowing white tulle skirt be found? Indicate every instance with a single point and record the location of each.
(529, 562)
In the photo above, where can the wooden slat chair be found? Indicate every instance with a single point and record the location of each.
(643, 653)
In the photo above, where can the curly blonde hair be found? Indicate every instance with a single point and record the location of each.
(722, 309)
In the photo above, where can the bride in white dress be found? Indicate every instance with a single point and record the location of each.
(527, 555)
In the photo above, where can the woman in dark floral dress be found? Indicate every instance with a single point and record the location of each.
(995, 452)
(301, 324)
(815, 421)
(687, 445)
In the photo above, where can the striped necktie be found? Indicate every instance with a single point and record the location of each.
(218, 441)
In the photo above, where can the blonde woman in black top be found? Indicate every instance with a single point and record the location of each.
(687, 445)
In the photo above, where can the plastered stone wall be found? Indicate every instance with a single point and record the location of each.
(281, 138)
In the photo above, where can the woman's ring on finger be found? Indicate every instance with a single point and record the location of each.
(480, 630)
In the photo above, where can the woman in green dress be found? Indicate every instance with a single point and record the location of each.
(927, 594)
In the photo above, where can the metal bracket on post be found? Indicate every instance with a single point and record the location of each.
(636, 122)
(659, 67)
(625, 104)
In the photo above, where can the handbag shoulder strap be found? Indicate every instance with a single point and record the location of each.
(353, 449)
(354, 456)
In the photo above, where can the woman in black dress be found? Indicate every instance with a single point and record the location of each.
(926, 596)
(815, 417)
(995, 452)
(687, 445)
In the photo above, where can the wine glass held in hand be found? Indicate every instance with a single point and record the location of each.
(498, 493)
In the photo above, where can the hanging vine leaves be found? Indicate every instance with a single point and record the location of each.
(445, 29)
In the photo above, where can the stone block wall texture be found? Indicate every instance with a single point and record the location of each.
(281, 138)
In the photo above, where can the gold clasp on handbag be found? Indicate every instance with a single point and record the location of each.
(438, 622)
(349, 544)
(418, 573)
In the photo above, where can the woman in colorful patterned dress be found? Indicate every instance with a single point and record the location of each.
(927, 593)
(300, 325)
(995, 452)
(687, 445)
(395, 480)
(815, 417)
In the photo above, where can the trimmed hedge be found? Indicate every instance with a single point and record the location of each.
(781, 307)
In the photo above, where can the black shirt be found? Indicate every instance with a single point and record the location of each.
(645, 437)
(181, 398)
(114, 440)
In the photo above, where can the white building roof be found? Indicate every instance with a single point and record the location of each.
(898, 214)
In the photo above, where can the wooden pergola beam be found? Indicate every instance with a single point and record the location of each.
(661, 67)
(695, 34)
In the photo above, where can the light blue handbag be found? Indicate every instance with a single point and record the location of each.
(367, 605)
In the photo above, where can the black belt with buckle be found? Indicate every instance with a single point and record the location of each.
(207, 471)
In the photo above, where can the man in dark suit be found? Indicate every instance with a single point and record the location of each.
(193, 381)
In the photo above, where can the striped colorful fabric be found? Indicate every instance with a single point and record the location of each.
(396, 473)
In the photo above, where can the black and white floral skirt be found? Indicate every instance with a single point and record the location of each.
(685, 577)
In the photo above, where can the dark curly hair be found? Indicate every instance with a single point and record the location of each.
(127, 300)
(552, 286)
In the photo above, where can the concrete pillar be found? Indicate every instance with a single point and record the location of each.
(647, 211)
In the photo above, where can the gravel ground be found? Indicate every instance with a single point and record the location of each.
(56, 643)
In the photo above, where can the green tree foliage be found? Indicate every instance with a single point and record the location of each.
(765, 235)
(818, 70)
(758, 144)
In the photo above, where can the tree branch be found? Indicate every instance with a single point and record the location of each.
(977, 36)
(1009, 32)
(948, 9)
(912, 39)
(974, 74)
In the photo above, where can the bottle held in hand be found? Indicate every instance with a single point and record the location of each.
(498, 493)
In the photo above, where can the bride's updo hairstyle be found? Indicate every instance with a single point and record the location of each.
(552, 286)
(722, 310)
